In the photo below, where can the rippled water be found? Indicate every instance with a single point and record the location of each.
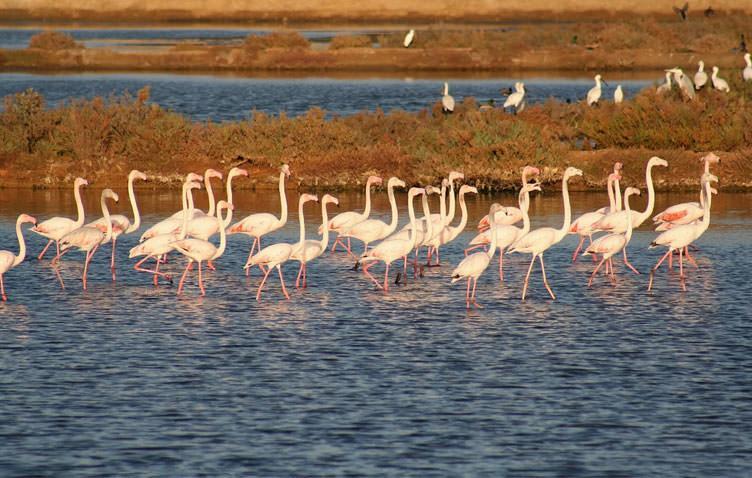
(232, 98)
(126, 379)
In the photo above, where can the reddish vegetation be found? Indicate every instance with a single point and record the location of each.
(52, 40)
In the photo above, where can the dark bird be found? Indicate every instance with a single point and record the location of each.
(742, 44)
(682, 12)
(709, 12)
(506, 91)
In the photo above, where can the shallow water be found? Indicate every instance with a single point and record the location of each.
(126, 379)
(222, 98)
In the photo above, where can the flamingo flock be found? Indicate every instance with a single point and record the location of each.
(190, 231)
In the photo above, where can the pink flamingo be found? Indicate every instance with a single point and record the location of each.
(687, 212)
(346, 220)
(56, 227)
(583, 225)
(277, 254)
(311, 249)
(170, 224)
(614, 193)
(120, 223)
(88, 239)
(611, 244)
(679, 237)
(372, 230)
(540, 240)
(259, 224)
(390, 250)
(8, 260)
(473, 265)
(209, 174)
(507, 234)
(200, 250)
(160, 245)
(513, 215)
(424, 228)
(448, 233)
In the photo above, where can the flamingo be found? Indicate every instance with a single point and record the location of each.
(170, 224)
(120, 223)
(747, 72)
(701, 78)
(8, 260)
(687, 212)
(513, 214)
(508, 234)
(208, 175)
(346, 220)
(56, 227)
(618, 95)
(665, 87)
(684, 83)
(372, 230)
(425, 227)
(473, 265)
(87, 238)
(540, 240)
(680, 237)
(205, 226)
(595, 92)
(392, 249)
(447, 101)
(311, 249)
(199, 250)
(277, 254)
(719, 83)
(449, 233)
(409, 38)
(516, 99)
(583, 225)
(262, 223)
(611, 244)
(161, 244)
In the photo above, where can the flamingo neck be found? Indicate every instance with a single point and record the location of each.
(492, 247)
(210, 194)
(463, 210)
(222, 224)
(393, 204)
(628, 233)
(301, 219)
(136, 215)
(706, 206)
(187, 211)
(429, 223)
(282, 199)
(413, 225)
(524, 207)
(325, 220)
(442, 206)
(651, 195)
(106, 214)
(79, 206)
(228, 214)
(617, 192)
(567, 210)
(452, 206)
(611, 202)
(21, 244)
(367, 209)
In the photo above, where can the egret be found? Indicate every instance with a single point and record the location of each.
(719, 83)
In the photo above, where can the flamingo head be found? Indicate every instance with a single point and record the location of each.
(304, 198)
(614, 177)
(221, 205)
(193, 177)
(495, 209)
(136, 174)
(110, 194)
(629, 191)
(455, 175)
(374, 180)
(432, 190)
(415, 192)
(530, 171)
(329, 199)
(572, 172)
(80, 182)
(710, 158)
(26, 218)
(212, 173)
(395, 182)
(193, 185)
(286, 170)
(237, 172)
(618, 166)
(656, 161)
(468, 189)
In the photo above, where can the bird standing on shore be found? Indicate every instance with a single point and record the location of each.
(618, 95)
(719, 83)
(701, 78)
(665, 87)
(447, 101)
(409, 38)
(516, 99)
(595, 92)
(747, 73)
(685, 84)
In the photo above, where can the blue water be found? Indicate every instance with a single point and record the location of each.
(129, 380)
(223, 98)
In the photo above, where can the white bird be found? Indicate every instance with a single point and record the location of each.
(161, 244)
(170, 224)
(209, 174)
(200, 250)
(311, 249)
(472, 266)
(205, 226)
(88, 239)
(540, 240)
(719, 83)
(665, 87)
(583, 225)
(747, 73)
(409, 38)
(277, 254)
(701, 78)
(687, 212)
(618, 95)
(345, 220)
(447, 101)
(685, 84)
(56, 227)
(680, 237)
(595, 92)
(516, 99)
(512, 214)
(449, 232)
(8, 260)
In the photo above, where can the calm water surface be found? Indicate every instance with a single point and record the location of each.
(129, 380)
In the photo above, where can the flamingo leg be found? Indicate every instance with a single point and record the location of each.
(681, 269)
(305, 275)
(112, 259)
(89, 255)
(657, 265)
(590, 238)
(579, 248)
(595, 271)
(690, 258)
(613, 277)
(626, 261)
(154, 272)
(475, 302)
(2, 288)
(250, 254)
(56, 259)
(527, 277)
(210, 265)
(334, 245)
(365, 271)
(300, 273)
(41, 254)
(545, 280)
(501, 266)
(473, 248)
(467, 294)
(182, 278)
(282, 280)
(404, 268)
(200, 280)
(386, 279)
(438, 259)
(261, 286)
